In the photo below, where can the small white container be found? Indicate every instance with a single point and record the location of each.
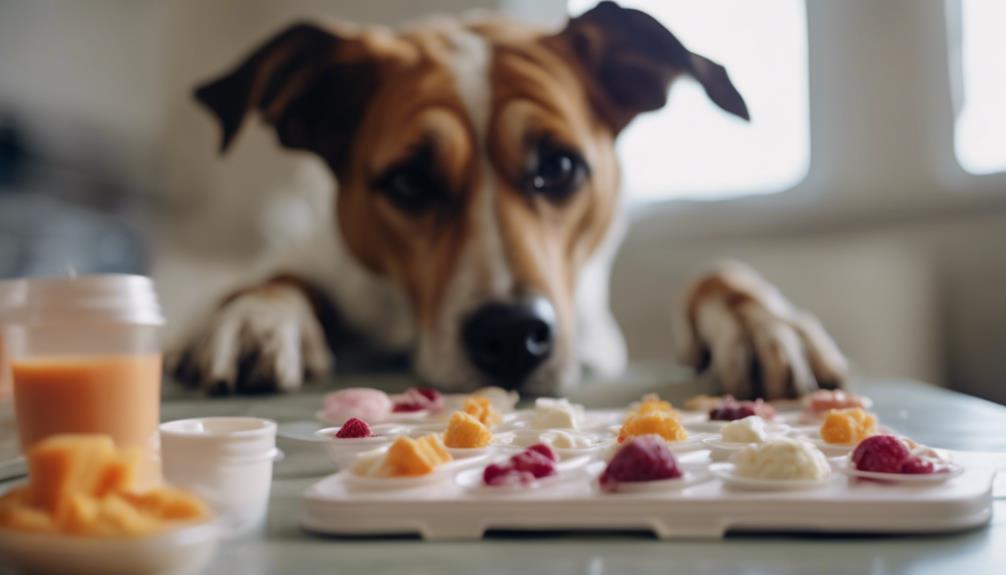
(225, 460)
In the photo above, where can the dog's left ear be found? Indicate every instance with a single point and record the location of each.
(308, 82)
(631, 59)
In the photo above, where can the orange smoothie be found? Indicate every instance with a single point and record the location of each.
(117, 395)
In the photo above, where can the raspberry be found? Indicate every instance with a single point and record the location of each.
(880, 453)
(643, 458)
(731, 410)
(544, 450)
(918, 466)
(418, 399)
(354, 429)
(497, 475)
(432, 395)
(534, 462)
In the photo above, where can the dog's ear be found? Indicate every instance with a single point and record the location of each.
(631, 59)
(308, 83)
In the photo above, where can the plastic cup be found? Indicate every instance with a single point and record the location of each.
(86, 358)
(11, 297)
(227, 461)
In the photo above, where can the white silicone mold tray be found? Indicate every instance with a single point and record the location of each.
(702, 509)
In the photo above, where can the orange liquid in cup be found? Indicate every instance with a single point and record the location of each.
(117, 395)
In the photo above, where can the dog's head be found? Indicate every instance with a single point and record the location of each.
(476, 166)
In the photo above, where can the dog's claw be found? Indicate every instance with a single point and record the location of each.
(262, 341)
(753, 340)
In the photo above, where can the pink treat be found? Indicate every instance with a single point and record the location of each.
(825, 399)
(354, 429)
(730, 410)
(881, 453)
(418, 399)
(360, 402)
(643, 458)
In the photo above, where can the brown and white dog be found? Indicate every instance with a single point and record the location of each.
(478, 210)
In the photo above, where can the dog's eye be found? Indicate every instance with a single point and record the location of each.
(411, 189)
(555, 173)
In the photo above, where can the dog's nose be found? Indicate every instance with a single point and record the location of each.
(508, 341)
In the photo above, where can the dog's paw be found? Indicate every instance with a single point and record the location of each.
(265, 339)
(753, 340)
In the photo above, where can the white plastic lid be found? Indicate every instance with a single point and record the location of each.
(220, 438)
(113, 298)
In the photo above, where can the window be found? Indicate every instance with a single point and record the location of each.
(691, 149)
(980, 133)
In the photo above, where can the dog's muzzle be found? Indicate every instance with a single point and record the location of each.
(507, 341)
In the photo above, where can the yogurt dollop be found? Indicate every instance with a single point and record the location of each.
(556, 413)
(748, 430)
(783, 458)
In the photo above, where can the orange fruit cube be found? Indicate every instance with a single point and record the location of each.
(466, 431)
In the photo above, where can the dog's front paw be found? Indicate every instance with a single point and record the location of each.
(264, 339)
(753, 340)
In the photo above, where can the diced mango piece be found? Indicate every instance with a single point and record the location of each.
(848, 426)
(117, 517)
(465, 431)
(409, 457)
(26, 519)
(660, 423)
(80, 485)
(66, 464)
(78, 515)
(169, 504)
(481, 408)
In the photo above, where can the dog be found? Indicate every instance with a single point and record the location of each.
(478, 211)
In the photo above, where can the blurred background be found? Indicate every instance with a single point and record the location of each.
(870, 186)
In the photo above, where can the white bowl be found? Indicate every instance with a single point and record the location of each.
(184, 550)
(951, 471)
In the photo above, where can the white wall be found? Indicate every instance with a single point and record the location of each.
(900, 252)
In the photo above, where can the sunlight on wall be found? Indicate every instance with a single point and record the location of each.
(980, 136)
(691, 149)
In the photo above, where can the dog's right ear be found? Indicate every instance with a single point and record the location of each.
(308, 83)
(630, 59)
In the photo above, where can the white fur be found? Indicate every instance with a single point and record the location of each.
(280, 326)
(789, 345)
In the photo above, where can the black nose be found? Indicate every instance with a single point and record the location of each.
(508, 341)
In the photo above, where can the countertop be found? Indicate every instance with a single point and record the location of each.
(930, 415)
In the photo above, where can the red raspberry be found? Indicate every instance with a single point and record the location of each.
(354, 429)
(432, 395)
(544, 450)
(418, 399)
(918, 466)
(533, 462)
(880, 453)
(497, 475)
(643, 458)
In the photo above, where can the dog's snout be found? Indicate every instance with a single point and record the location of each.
(508, 341)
